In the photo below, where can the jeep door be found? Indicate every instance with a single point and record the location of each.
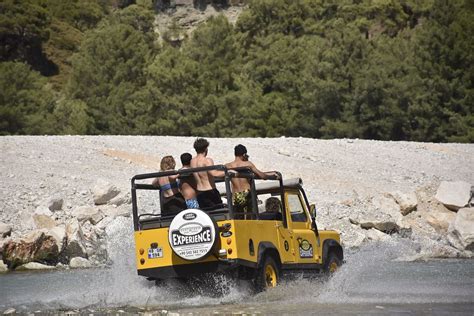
(299, 223)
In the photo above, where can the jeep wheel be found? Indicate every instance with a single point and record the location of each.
(268, 275)
(333, 263)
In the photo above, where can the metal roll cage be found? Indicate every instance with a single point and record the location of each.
(229, 173)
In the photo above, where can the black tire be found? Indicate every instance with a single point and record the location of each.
(268, 275)
(332, 263)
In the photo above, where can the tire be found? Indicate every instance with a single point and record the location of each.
(332, 263)
(268, 275)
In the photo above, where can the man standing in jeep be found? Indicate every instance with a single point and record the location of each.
(241, 186)
(207, 194)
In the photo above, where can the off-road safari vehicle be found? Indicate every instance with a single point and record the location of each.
(277, 236)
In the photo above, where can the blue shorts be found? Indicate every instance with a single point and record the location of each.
(192, 203)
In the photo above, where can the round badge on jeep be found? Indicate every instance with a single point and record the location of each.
(192, 234)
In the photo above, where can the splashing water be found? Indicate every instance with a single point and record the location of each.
(370, 275)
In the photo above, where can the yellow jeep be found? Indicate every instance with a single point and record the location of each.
(276, 235)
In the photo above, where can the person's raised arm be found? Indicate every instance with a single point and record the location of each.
(260, 174)
(214, 173)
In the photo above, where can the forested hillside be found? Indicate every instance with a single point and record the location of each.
(377, 69)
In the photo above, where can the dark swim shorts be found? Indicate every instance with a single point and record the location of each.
(210, 198)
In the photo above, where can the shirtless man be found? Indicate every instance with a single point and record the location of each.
(187, 183)
(241, 186)
(207, 194)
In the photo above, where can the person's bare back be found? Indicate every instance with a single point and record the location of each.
(207, 194)
(204, 179)
(242, 184)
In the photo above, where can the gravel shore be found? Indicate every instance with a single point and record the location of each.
(338, 175)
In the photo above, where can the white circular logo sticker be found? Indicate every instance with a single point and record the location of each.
(191, 234)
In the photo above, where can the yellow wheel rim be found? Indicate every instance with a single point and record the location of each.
(270, 276)
(333, 267)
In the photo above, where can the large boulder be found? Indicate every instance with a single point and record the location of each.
(439, 217)
(5, 230)
(88, 213)
(406, 201)
(43, 221)
(461, 230)
(75, 241)
(36, 246)
(382, 213)
(104, 191)
(454, 195)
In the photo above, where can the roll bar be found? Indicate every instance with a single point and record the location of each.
(242, 172)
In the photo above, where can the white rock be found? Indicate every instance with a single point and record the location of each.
(34, 266)
(44, 221)
(9, 311)
(5, 230)
(122, 198)
(79, 262)
(385, 204)
(43, 210)
(354, 240)
(75, 240)
(59, 234)
(406, 201)
(461, 231)
(105, 222)
(383, 214)
(26, 221)
(454, 195)
(376, 235)
(3, 267)
(103, 192)
(88, 213)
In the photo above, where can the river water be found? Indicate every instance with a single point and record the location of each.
(371, 282)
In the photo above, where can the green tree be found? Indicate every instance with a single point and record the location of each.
(81, 14)
(71, 117)
(443, 110)
(108, 71)
(24, 27)
(26, 102)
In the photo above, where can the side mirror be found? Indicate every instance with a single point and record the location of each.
(312, 210)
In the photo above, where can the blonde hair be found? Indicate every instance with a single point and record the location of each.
(167, 163)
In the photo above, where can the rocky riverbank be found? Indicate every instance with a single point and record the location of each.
(59, 194)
